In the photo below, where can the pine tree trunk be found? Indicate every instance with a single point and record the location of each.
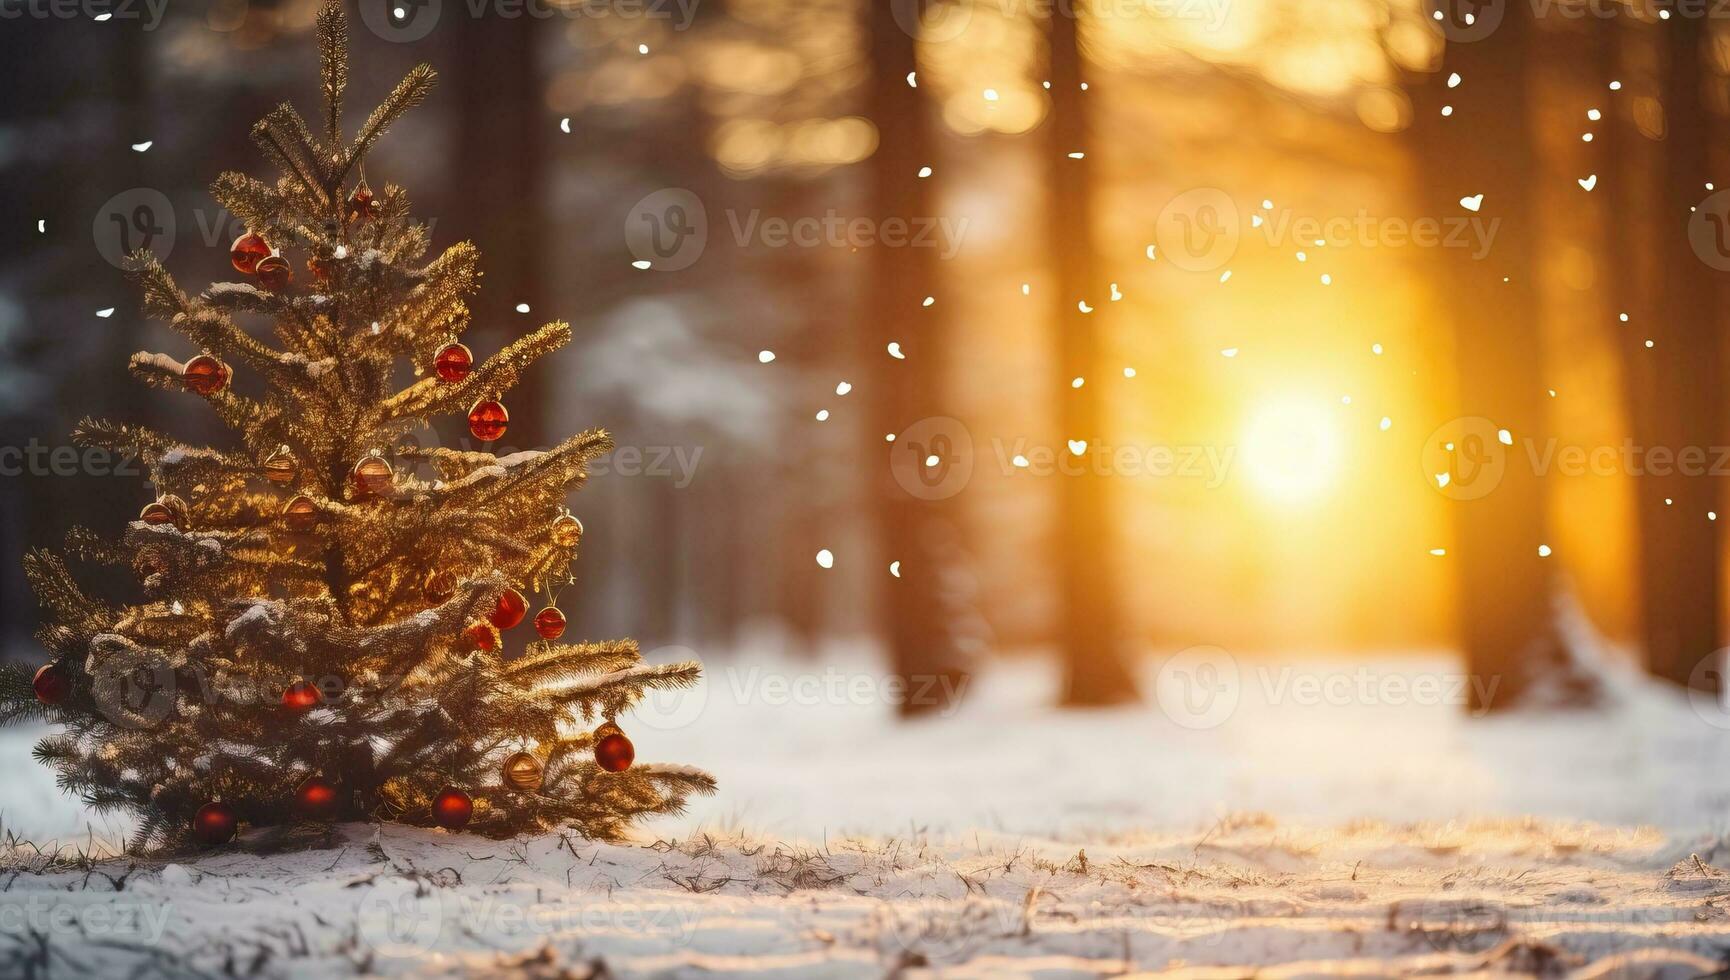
(1673, 390)
(1507, 626)
(916, 623)
(1094, 650)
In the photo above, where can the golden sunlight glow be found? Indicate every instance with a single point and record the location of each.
(1291, 450)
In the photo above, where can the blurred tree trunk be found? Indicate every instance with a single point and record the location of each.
(497, 197)
(67, 139)
(1508, 627)
(1673, 386)
(905, 391)
(1091, 642)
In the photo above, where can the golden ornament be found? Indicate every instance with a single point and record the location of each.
(522, 772)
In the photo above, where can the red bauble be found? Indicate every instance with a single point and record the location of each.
(205, 375)
(301, 696)
(166, 509)
(614, 751)
(300, 513)
(482, 635)
(274, 273)
(52, 683)
(487, 419)
(246, 252)
(316, 798)
(510, 610)
(452, 808)
(453, 362)
(214, 824)
(550, 623)
(371, 476)
(362, 205)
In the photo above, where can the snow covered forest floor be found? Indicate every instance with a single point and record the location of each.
(1334, 820)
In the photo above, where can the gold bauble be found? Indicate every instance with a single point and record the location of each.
(280, 467)
(567, 531)
(522, 772)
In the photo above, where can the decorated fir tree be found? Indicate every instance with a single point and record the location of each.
(325, 630)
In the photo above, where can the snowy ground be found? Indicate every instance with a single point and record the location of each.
(1325, 817)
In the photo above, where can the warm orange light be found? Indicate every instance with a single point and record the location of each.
(1291, 450)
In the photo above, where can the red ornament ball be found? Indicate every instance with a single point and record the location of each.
(454, 362)
(300, 513)
(316, 798)
(246, 252)
(362, 205)
(52, 683)
(550, 623)
(488, 419)
(452, 808)
(510, 611)
(614, 752)
(371, 476)
(274, 273)
(482, 635)
(214, 824)
(301, 696)
(205, 374)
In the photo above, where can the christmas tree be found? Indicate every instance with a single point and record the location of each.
(322, 631)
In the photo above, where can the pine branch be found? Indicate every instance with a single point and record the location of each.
(18, 695)
(562, 463)
(494, 376)
(162, 298)
(241, 414)
(606, 695)
(565, 661)
(255, 203)
(284, 138)
(408, 93)
(57, 592)
(220, 335)
(333, 71)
